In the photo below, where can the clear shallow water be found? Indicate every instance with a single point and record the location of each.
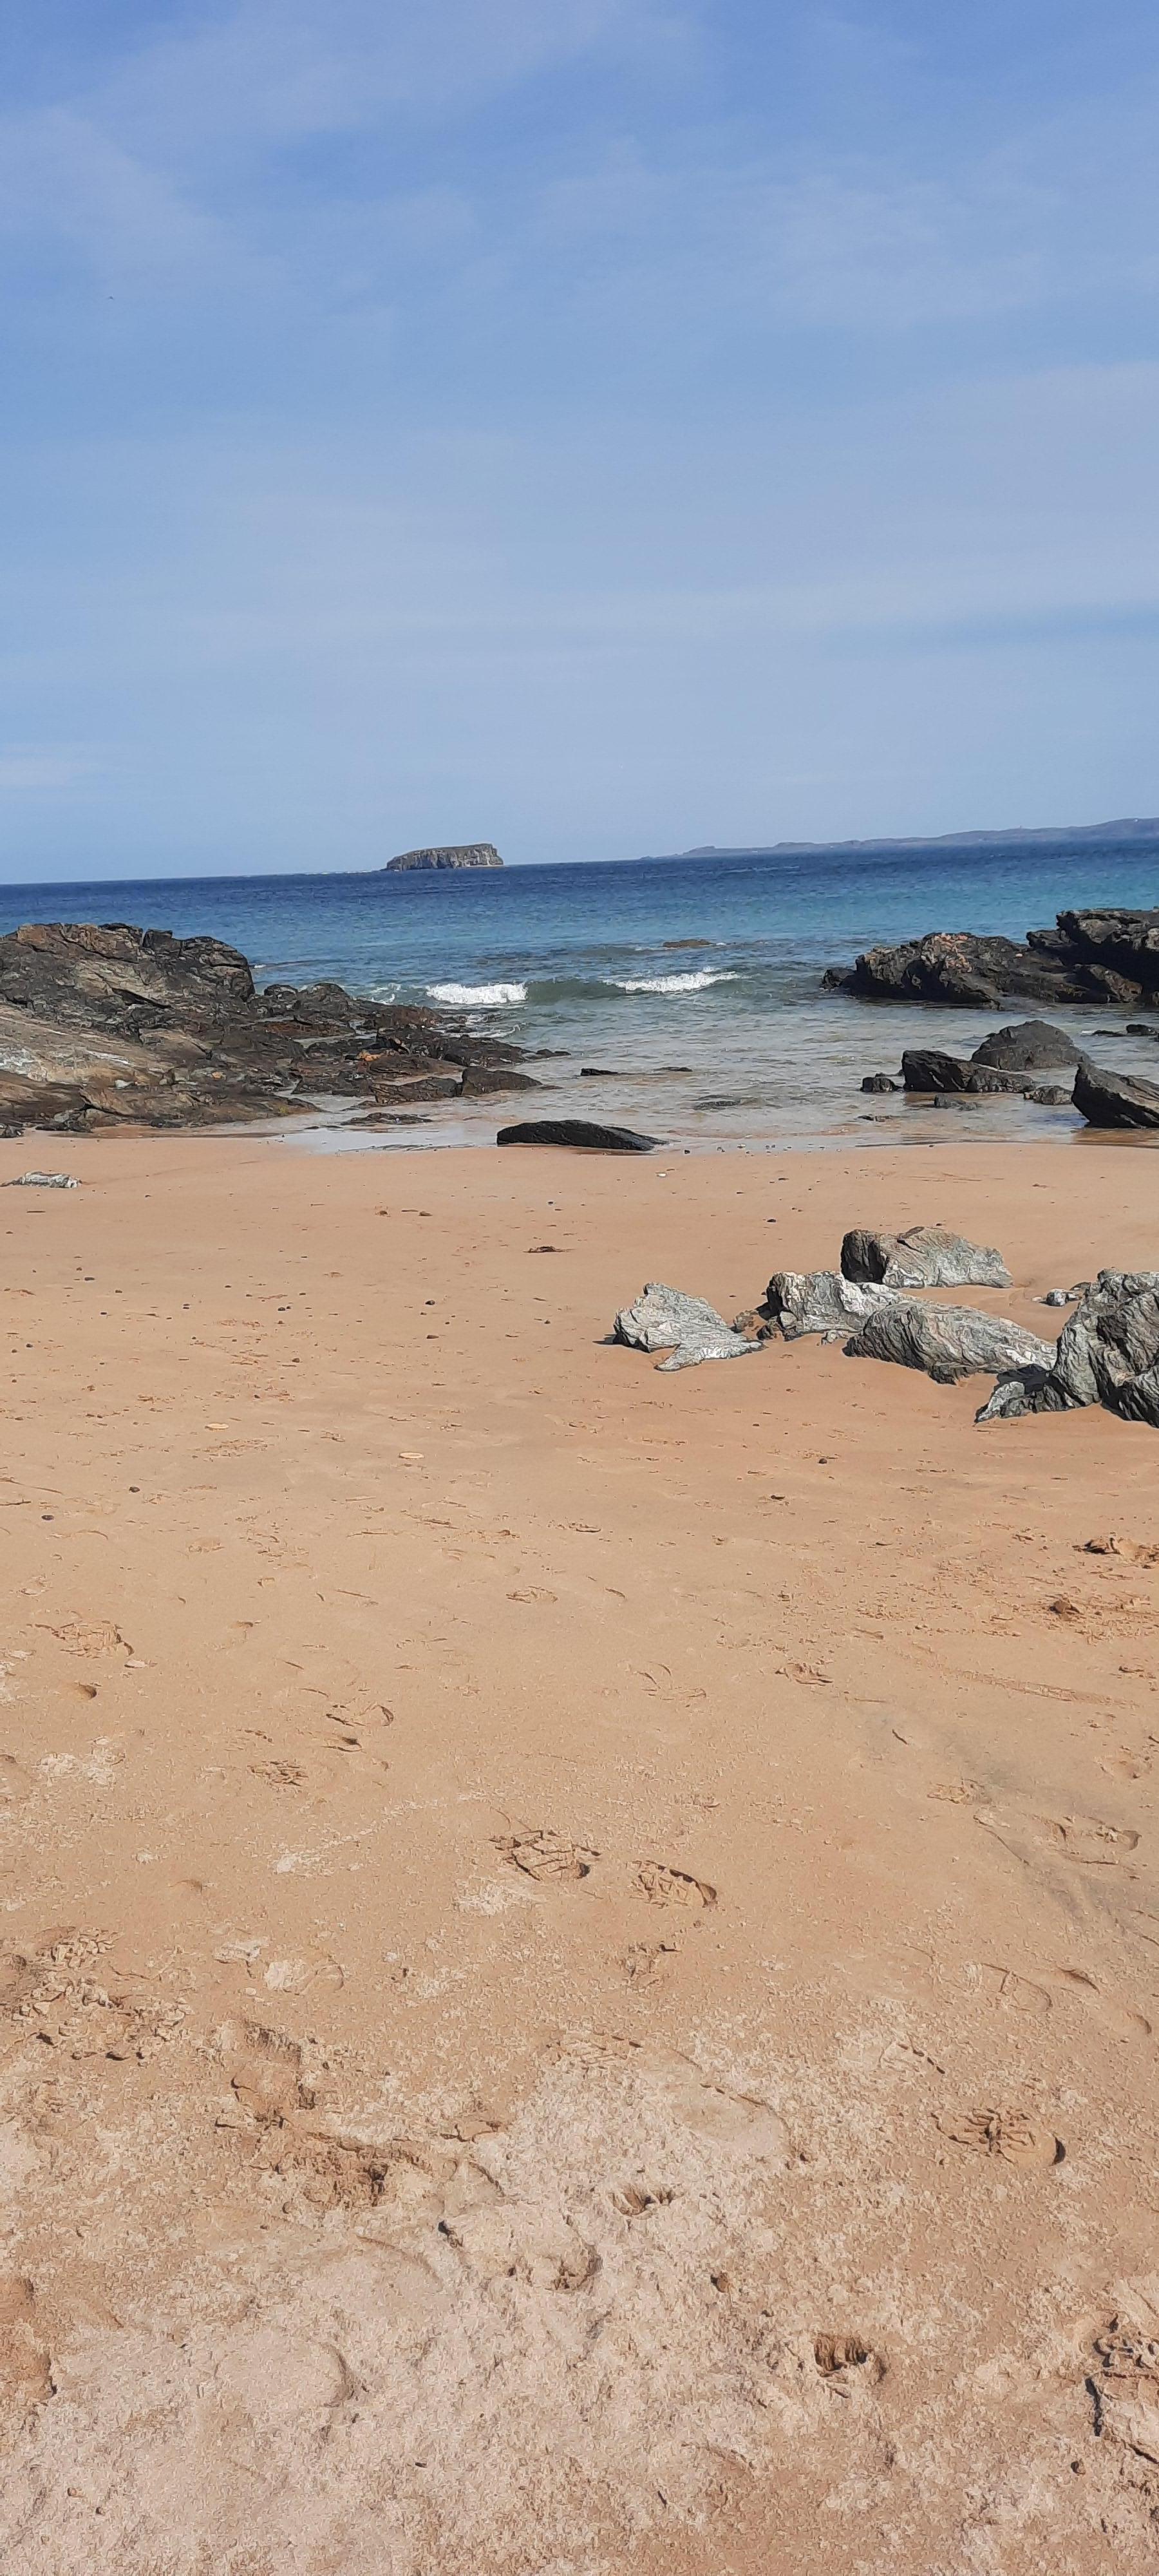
(592, 961)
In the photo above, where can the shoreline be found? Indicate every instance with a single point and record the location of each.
(520, 1867)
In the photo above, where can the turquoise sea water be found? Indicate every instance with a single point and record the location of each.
(590, 961)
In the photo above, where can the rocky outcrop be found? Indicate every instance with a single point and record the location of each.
(665, 1319)
(925, 1256)
(1089, 956)
(1107, 1353)
(577, 1131)
(451, 854)
(1115, 1099)
(819, 1301)
(105, 1024)
(948, 1342)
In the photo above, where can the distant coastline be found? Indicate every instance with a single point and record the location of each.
(1142, 829)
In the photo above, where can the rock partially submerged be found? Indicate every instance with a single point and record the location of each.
(1027, 1046)
(948, 1342)
(930, 1069)
(577, 1131)
(665, 1319)
(1107, 1353)
(1115, 1099)
(926, 1256)
(1089, 956)
(820, 1301)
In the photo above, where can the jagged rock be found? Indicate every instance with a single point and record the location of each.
(577, 1131)
(1115, 1099)
(950, 966)
(1028, 1046)
(1140, 1029)
(94, 972)
(665, 1319)
(879, 1082)
(1051, 1095)
(925, 1256)
(948, 1342)
(930, 1069)
(1107, 1353)
(820, 1301)
(1118, 938)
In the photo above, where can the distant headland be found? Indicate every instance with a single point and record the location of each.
(453, 854)
(1136, 828)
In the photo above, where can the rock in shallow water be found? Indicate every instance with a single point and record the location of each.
(1115, 1099)
(925, 1256)
(947, 1342)
(665, 1319)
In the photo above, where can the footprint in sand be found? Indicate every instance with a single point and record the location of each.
(1018, 1994)
(1011, 2136)
(836, 2354)
(1084, 1839)
(518, 2242)
(91, 1637)
(1122, 2383)
(666, 1886)
(1119, 2017)
(545, 1855)
(739, 2122)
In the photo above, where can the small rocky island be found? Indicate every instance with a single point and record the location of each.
(453, 854)
(103, 1025)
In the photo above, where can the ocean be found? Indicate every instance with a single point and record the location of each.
(692, 985)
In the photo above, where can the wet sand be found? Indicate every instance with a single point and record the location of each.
(580, 1946)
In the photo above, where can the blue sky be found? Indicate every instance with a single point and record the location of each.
(601, 426)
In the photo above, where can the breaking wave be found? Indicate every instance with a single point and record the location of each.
(698, 983)
(477, 997)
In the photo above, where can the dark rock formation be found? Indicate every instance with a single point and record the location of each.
(1090, 956)
(577, 1131)
(479, 1081)
(926, 1256)
(665, 1319)
(452, 854)
(1107, 1353)
(104, 1024)
(1029, 1046)
(929, 1069)
(879, 1082)
(948, 1342)
(1115, 1099)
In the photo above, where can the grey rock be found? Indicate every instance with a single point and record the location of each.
(948, 1342)
(925, 1256)
(1027, 1046)
(665, 1319)
(1054, 1297)
(820, 1301)
(1107, 1353)
(1051, 1095)
(1115, 1099)
(43, 1181)
(879, 1082)
(577, 1131)
(480, 1079)
(929, 1069)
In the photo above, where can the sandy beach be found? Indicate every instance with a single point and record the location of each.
(580, 1946)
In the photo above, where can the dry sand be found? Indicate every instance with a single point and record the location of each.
(554, 1915)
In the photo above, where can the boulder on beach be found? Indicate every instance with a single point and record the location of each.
(820, 1301)
(929, 1069)
(577, 1131)
(1108, 956)
(1115, 1099)
(1107, 1353)
(1027, 1046)
(665, 1319)
(879, 1082)
(925, 1256)
(947, 1342)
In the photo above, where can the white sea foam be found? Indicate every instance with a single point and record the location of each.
(698, 983)
(477, 997)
